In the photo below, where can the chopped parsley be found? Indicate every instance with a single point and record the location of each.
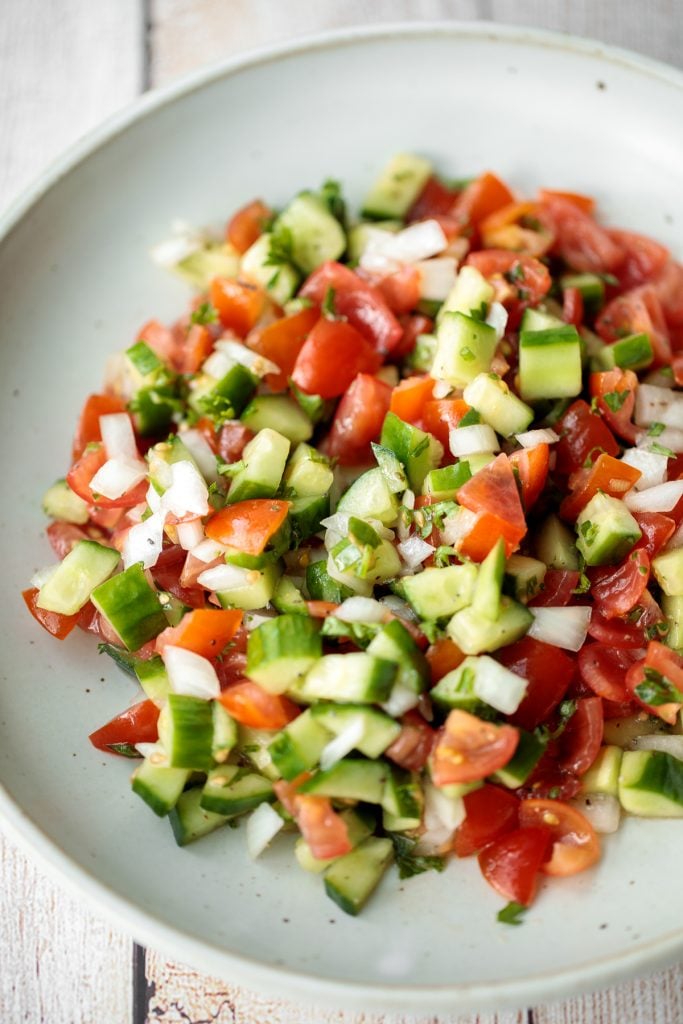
(589, 531)
(615, 399)
(409, 863)
(328, 308)
(656, 689)
(655, 429)
(659, 449)
(512, 913)
(204, 314)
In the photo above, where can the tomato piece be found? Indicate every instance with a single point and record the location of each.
(572, 306)
(512, 863)
(603, 668)
(332, 355)
(323, 829)
(434, 199)
(493, 492)
(248, 525)
(519, 227)
(194, 348)
(481, 198)
(530, 277)
(668, 287)
(668, 664)
(206, 631)
(579, 241)
(531, 465)
(169, 574)
(356, 300)
(161, 340)
(469, 749)
(409, 397)
(585, 203)
(490, 812)
(575, 843)
(238, 303)
(632, 313)
(618, 589)
(414, 744)
(281, 342)
(607, 474)
(232, 666)
(442, 657)
(251, 705)
(557, 589)
(56, 624)
(247, 225)
(88, 429)
(441, 415)
(84, 469)
(358, 420)
(656, 528)
(582, 737)
(138, 724)
(62, 537)
(548, 671)
(413, 326)
(618, 382)
(644, 259)
(617, 632)
(582, 434)
(401, 290)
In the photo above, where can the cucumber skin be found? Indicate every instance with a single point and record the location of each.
(351, 880)
(130, 606)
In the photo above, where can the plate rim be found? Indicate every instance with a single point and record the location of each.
(145, 926)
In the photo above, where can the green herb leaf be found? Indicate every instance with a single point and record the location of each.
(656, 689)
(409, 863)
(659, 449)
(512, 913)
(331, 195)
(615, 399)
(589, 531)
(281, 246)
(655, 429)
(204, 314)
(328, 308)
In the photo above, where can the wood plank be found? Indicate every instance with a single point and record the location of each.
(656, 999)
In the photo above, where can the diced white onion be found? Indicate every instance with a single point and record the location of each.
(417, 242)
(442, 815)
(190, 534)
(414, 551)
(188, 493)
(339, 522)
(225, 577)
(118, 436)
(602, 810)
(457, 525)
(153, 752)
(217, 365)
(408, 499)
(190, 674)
(652, 467)
(185, 240)
(497, 318)
(670, 437)
(252, 620)
(662, 742)
(401, 699)
(561, 627)
(202, 453)
(441, 389)
(263, 825)
(658, 405)
(361, 609)
(498, 686)
(531, 438)
(342, 744)
(471, 440)
(117, 476)
(144, 541)
(398, 607)
(41, 576)
(208, 550)
(437, 277)
(661, 498)
(253, 361)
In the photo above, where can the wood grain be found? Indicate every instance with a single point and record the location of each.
(656, 999)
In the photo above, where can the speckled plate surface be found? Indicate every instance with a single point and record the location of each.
(76, 283)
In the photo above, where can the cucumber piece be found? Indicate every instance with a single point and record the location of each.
(465, 348)
(308, 472)
(130, 606)
(369, 497)
(443, 484)
(360, 234)
(394, 643)
(350, 780)
(456, 689)
(631, 353)
(402, 800)
(358, 828)
(322, 587)
(60, 502)
(471, 294)
(439, 593)
(591, 286)
(397, 187)
(497, 405)
(418, 451)
(391, 468)
(477, 460)
(190, 821)
(280, 280)
(384, 564)
(606, 530)
(481, 680)
(235, 792)
(486, 599)
(152, 409)
(668, 570)
(144, 362)
(153, 679)
(164, 454)
(314, 235)
(539, 320)
(651, 784)
(254, 745)
(225, 734)
(317, 409)
(673, 609)
(81, 572)
(603, 774)
(550, 363)
(378, 731)
(556, 546)
(306, 514)
(348, 679)
(351, 880)
(222, 399)
(476, 635)
(288, 599)
(524, 577)
(159, 786)
(212, 260)
(529, 751)
(186, 732)
(282, 650)
(279, 413)
(264, 459)
(297, 748)
(256, 591)
(422, 356)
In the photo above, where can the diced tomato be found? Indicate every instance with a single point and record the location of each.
(323, 829)
(575, 843)
(637, 311)
(88, 429)
(667, 663)
(441, 415)
(443, 656)
(518, 227)
(193, 349)
(321, 609)
(583, 434)
(481, 198)
(434, 199)
(557, 589)
(617, 382)
(548, 671)
(656, 528)
(677, 367)
(138, 724)
(232, 439)
(512, 863)
(248, 525)
(62, 537)
(238, 303)
(607, 474)
(161, 340)
(206, 631)
(493, 492)
(232, 666)
(603, 668)
(584, 203)
(530, 277)
(361, 304)
(56, 624)
(247, 225)
(401, 290)
(644, 259)
(358, 420)
(409, 397)
(281, 342)
(414, 744)
(332, 355)
(469, 749)
(169, 574)
(490, 812)
(668, 287)
(581, 739)
(572, 306)
(531, 466)
(618, 589)
(413, 326)
(582, 244)
(82, 472)
(251, 705)
(624, 632)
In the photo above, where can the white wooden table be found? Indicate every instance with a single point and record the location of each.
(64, 66)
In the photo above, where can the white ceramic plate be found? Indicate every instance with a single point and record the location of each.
(76, 283)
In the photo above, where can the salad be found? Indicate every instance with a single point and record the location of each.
(388, 528)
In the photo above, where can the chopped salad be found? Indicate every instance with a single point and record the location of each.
(387, 527)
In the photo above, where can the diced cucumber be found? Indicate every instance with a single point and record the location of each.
(525, 576)
(394, 643)
(556, 545)
(397, 187)
(351, 880)
(70, 586)
(256, 591)
(279, 413)
(476, 635)
(471, 294)
(60, 502)
(190, 821)
(350, 779)
(322, 587)
(348, 678)
(212, 260)
(130, 606)
(159, 786)
(391, 467)
(235, 792)
(152, 409)
(282, 650)
(280, 281)
(550, 363)
(442, 484)
(591, 286)
(315, 235)
(288, 599)
(606, 530)
(369, 497)
(254, 744)
(153, 679)
(529, 751)
(477, 460)
(308, 472)
(631, 353)
(418, 451)
(621, 732)
(668, 570)
(186, 732)
(497, 405)
(164, 454)
(539, 320)
(377, 730)
(438, 593)
(297, 748)
(422, 356)
(673, 609)
(456, 688)
(603, 774)
(403, 800)
(222, 399)
(264, 460)
(358, 828)
(464, 349)
(651, 784)
(225, 733)
(486, 599)
(360, 234)
(144, 362)
(306, 514)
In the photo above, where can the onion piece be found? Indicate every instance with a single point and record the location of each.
(561, 627)
(497, 317)
(442, 815)
(118, 476)
(239, 353)
(144, 541)
(401, 699)
(342, 744)
(202, 453)
(360, 609)
(152, 752)
(190, 674)
(209, 550)
(602, 810)
(188, 493)
(457, 524)
(118, 435)
(184, 241)
(414, 551)
(498, 686)
(661, 498)
(471, 440)
(670, 437)
(417, 242)
(658, 405)
(217, 365)
(441, 389)
(662, 742)
(437, 277)
(226, 577)
(398, 607)
(263, 825)
(41, 576)
(252, 620)
(190, 534)
(652, 467)
(531, 438)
